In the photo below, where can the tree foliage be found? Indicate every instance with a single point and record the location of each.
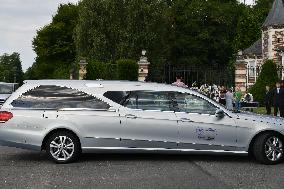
(248, 27)
(205, 31)
(109, 30)
(268, 77)
(180, 32)
(11, 68)
(54, 45)
(250, 22)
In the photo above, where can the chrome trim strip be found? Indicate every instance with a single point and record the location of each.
(152, 110)
(178, 142)
(82, 109)
(168, 111)
(162, 149)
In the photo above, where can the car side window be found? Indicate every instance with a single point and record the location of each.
(117, 96)
(149, 100)
(193, 104)
(55, 97)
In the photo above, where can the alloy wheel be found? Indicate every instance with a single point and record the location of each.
(62, 148)
(273, 148)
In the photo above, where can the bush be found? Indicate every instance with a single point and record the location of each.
(127, 69)
(96, 70)
(268, 77)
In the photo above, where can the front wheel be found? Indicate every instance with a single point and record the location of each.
(63, 147)
(268, 148)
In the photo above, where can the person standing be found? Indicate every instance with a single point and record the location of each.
(277, 98)
(248, 99)
(229, 100)
(238, 97)
(222, 95)
(281, 99)
(179, 82)
(268, 100)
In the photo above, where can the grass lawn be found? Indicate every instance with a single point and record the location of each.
(262, 110)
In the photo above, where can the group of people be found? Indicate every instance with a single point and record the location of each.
(275, 98)
(233, 99)
(228, 97)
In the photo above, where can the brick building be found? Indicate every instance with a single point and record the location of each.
(269, 46)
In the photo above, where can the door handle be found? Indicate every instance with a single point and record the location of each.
(185, 120)
(131, 116)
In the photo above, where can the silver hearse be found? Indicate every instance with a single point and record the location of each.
(67, 117)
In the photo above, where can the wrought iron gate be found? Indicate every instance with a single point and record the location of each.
(194, 74)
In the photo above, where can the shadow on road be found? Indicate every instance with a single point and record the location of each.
(42, 157)
(162, 157)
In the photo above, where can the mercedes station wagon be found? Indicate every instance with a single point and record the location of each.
(69, 117)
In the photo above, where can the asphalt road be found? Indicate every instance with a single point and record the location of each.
(27, 169)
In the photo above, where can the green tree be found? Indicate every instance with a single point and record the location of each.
(127, 69)
(204, 31)
(248, 27)
(250, 22)
(11, 68)
(268, 77)
(55, 46)
(264, 5)
(109, 30)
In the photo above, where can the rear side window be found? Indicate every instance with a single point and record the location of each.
(150, 100)
(144, 100)
(117, 96)
(55, 97)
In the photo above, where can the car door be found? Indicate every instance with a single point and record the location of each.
(198, 126)
(148, 121)
(96, 120)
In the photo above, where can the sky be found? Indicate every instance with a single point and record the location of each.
(19, 21)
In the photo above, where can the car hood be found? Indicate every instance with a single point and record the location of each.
(261, 118)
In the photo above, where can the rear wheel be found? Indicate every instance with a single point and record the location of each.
(268, 148)
(63, 147)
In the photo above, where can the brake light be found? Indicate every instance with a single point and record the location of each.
(5, 116)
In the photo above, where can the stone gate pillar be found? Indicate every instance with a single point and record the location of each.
(143, 67)
(82, 69)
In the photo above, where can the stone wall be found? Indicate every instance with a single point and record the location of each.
(265, 43)
(272, 39)
(277, 41)
(242, 80)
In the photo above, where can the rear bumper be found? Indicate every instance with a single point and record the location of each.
(20, 145)
(13, 137)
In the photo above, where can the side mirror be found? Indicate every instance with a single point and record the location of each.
(219, 113)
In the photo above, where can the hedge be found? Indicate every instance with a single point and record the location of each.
(268, 77)
(127, 69)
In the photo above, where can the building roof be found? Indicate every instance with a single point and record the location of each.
(254, 49)
(276, 15)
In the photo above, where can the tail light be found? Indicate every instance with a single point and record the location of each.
(5, 116)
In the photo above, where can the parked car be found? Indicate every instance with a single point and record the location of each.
(6, 89)
(67, 117)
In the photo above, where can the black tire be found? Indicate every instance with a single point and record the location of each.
(69, 140)
(260, 148)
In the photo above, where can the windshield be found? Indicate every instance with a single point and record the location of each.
(6, 88)
(216, 103)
